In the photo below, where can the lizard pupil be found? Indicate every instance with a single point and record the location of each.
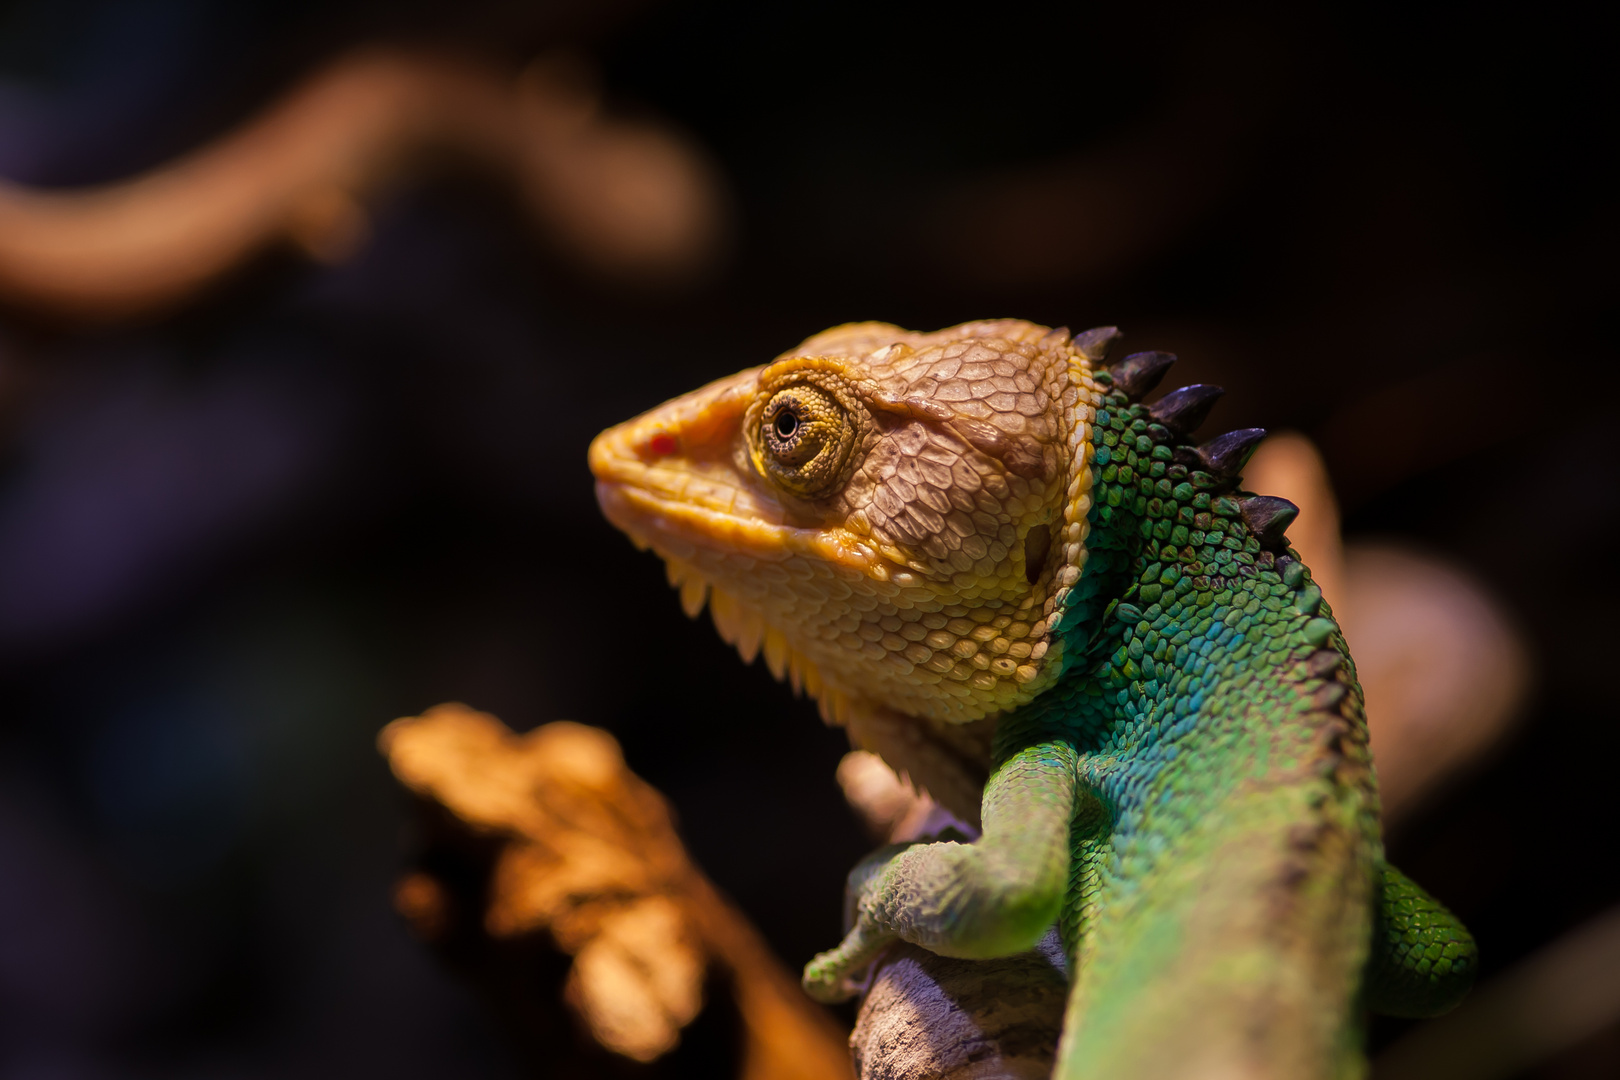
(804, 438)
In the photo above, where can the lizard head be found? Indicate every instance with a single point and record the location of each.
(894, 518)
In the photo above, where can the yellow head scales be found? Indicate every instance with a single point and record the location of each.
(890, 516)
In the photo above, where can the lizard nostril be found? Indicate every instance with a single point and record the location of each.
(662, 444)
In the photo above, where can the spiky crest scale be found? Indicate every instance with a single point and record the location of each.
(1183, 409)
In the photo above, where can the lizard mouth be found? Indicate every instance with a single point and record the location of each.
(670, 478)
(678, 479)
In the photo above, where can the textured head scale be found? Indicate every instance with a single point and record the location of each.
(895, 518)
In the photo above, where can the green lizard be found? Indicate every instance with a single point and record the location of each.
(1000, 569)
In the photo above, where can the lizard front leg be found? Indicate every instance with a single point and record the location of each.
(994, 897)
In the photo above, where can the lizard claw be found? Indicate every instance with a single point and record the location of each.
(839, 974)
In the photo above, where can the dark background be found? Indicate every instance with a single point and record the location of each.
(237, 540)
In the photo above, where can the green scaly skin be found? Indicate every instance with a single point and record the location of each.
(1193, 803)
(1179, 778)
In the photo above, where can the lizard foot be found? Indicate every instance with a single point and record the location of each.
(838, 974)
(966, 900)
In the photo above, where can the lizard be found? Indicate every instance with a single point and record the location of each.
(992, 559)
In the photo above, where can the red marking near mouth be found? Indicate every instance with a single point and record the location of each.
(663, 444)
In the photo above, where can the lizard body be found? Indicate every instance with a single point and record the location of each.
(1000, 569)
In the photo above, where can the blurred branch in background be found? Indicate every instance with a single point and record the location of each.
(549, 837)
(630, 199)
(1443, 669)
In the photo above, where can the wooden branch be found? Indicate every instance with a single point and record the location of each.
(928, 1017)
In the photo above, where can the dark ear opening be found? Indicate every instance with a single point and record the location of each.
(1037, 543)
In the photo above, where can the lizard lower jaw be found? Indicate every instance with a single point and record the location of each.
(704, 510)
(715, 542)
(681, 530)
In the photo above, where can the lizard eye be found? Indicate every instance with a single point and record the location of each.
(804, 439)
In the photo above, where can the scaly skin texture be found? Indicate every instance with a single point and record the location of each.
(990, 560)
